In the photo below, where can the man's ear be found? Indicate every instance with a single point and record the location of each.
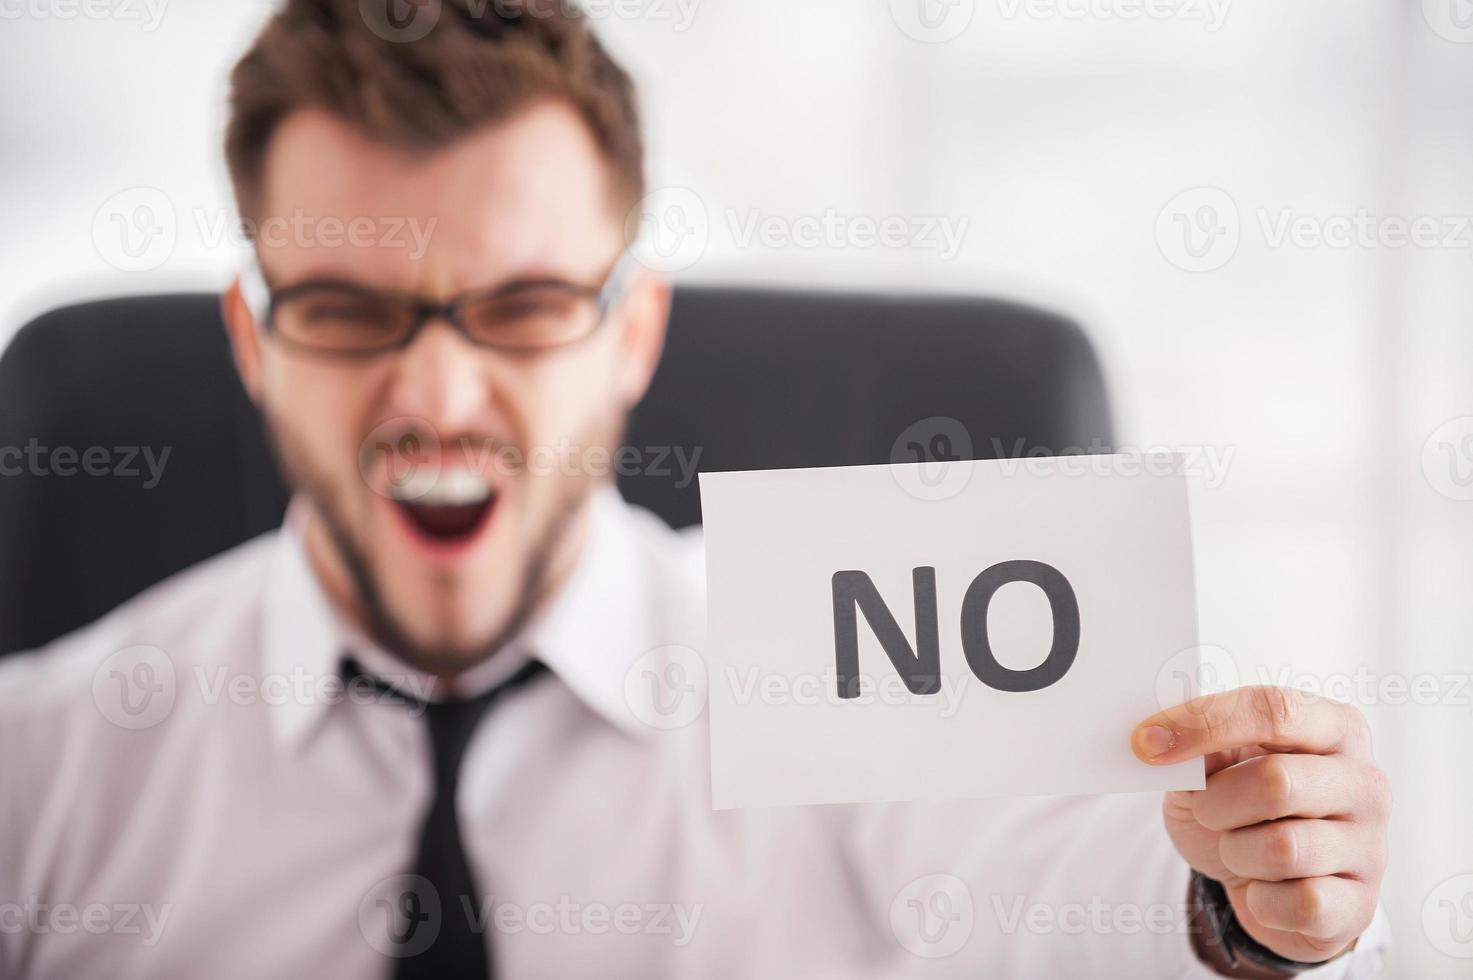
(245, 339)
(646, 314)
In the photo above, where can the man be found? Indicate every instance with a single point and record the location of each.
(404, 736)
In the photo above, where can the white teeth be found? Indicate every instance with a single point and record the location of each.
(453, 487)
(414, 485)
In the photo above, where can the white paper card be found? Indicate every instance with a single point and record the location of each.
(1018, 695)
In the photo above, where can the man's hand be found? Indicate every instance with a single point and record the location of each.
(1293, 819)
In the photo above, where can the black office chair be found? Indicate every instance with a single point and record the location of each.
(753, 379)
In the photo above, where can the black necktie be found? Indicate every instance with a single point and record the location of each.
(457, 950)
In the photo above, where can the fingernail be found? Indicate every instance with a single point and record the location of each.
(1155, 741)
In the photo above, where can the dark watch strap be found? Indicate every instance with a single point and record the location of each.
(1223, 930)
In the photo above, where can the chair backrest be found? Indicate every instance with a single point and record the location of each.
(93, 396)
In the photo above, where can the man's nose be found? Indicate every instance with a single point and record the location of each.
(440, 378)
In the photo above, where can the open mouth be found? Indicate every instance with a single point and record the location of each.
(447, 524)
(450, 512)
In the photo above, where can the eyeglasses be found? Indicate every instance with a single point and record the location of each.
(339, 319)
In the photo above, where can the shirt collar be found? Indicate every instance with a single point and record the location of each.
(300, 635)
(604, 618)
(598, 623)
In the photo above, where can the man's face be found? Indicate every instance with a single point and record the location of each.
(445, 481)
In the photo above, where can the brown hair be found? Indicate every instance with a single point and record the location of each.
(477, 63)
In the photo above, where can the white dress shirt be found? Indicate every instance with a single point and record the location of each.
(186, 790)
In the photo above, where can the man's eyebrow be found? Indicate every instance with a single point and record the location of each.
(315, 279)
(522, 281)
(532, 276)
(327, 281)
(532, 281)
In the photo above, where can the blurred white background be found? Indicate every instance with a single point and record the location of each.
(1223, 193)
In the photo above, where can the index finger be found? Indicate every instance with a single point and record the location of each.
(1277, 719)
